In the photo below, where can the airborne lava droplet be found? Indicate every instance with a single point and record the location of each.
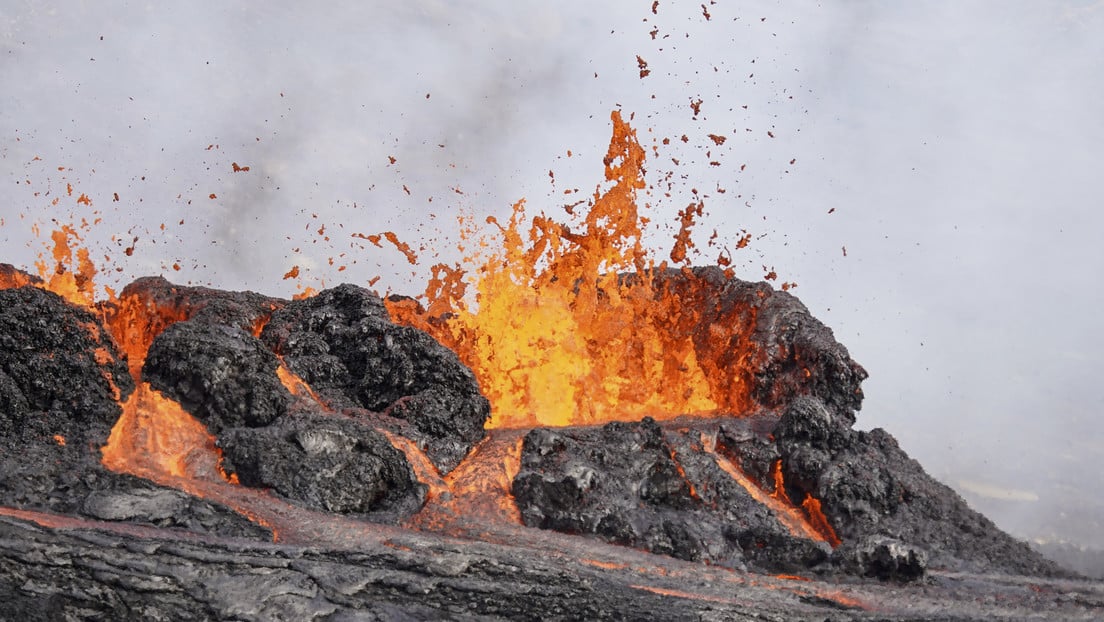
(643, 65)
(695, 105)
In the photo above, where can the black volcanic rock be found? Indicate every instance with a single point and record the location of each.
(638, 485)
(226, 378)
(59, 359)
(869, 487)
(221, 374)
(57, 397)
(327, 461)
(883, 558)
(58, 376)
(343, 343)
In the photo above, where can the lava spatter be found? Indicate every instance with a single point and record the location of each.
(569, 325)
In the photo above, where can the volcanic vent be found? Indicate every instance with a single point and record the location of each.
(587, 391)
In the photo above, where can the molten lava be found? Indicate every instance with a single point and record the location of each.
(570, 326)
(156, 439)
(134, 323)
(71, 278)
(297, 386)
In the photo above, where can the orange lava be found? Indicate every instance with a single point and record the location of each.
(779, 492)
(555, 335)
(423, 468)
(604, 565)
(134, 323)
(156, 439)
(70, 277)
(296, 385)
(663, 591)
(819, 521)
(11, 280)
(477, 490)
(814, 517)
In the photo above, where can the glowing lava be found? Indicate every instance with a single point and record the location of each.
(71, 278)
(155, 438)
(571, 326)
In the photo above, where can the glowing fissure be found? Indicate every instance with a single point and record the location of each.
(789, 515)
(477, 490)
(297, 386)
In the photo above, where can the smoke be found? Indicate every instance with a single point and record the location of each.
(924, 172)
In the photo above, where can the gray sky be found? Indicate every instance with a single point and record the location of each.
(951, 147)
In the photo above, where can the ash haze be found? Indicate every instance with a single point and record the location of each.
(940, 212)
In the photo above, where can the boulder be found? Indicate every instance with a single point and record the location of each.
(343, 343)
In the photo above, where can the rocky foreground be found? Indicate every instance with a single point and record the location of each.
(377, 493)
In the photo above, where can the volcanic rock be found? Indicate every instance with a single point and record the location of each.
(59, 359)
(327, 461)
(342, 342)
(221, 374)
(638, 485)
(226, 378)
(61, 382)
(883, 558)
(869, 487)
(163, 303)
